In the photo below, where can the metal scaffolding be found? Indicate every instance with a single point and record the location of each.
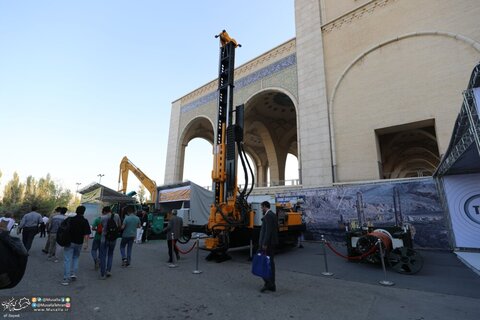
(465, 141)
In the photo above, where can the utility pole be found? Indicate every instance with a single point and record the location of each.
(100, 177)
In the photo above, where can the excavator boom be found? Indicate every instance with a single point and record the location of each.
(125, 166)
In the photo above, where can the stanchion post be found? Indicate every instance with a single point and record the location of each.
(325, 273)
(250, 257)
(196, 271)
(384, 282)
(174, 256)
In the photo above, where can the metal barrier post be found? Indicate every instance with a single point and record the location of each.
(325, 273)
(173, 264)
(384, 282)
(250, 257)
(196, 271)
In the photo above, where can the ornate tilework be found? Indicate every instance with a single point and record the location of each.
(245, 81)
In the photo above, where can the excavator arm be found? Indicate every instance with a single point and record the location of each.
(125, 166)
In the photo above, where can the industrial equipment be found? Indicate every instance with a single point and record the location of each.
(230, 214)
(125, 166)
(231, 219)
(396, 243)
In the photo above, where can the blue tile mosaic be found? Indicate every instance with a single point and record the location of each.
(245, 81)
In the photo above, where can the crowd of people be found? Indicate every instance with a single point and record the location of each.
(73, 232)
(107, 228)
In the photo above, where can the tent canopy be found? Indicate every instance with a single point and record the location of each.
(96, 192)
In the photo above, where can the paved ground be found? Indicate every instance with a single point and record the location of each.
(149, 289)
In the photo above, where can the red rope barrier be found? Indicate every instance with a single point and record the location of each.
(372, 250)
(185, 252)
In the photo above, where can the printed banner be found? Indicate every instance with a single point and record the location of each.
(463, 197)
(92, 195)
(414, 202)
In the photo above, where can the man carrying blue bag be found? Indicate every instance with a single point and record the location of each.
(267, 242)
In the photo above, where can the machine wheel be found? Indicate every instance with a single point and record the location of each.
(405, 260)
(365, 244)
(186, 236)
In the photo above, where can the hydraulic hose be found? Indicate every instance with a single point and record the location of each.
(241, 153)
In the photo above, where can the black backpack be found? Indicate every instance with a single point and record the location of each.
(112, 232)
(13, 260)
(63, 233)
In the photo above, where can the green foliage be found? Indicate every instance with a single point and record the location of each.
(141, 194)
(18, 198)
(13, 195)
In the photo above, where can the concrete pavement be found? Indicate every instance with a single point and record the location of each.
(149, 289)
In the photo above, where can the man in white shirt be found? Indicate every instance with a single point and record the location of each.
(29, 227)
(43, 226)
(7, 223)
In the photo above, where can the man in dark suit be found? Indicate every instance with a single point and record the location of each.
(267, 242)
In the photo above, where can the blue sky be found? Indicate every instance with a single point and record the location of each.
(84, 83)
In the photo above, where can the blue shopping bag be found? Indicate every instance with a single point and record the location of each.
(261, 265)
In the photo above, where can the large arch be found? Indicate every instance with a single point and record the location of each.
(364, 99)
(199, 127)
(271, 133)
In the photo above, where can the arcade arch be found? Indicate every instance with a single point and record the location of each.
(200, 127)
(270, 134)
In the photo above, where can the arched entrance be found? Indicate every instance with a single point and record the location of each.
(200, 127)
(270, 134)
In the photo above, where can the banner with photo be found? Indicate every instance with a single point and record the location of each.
(415, 202)
(463, 197)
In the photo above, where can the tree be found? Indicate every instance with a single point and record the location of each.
(13, 195)
(141, 194)
(45, 194)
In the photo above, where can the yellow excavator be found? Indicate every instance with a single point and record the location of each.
(125, 166)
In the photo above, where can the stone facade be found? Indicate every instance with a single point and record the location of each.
(356, 67)
(394, 62)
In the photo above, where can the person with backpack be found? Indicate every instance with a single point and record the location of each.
(78, 230)
(97, 227)
(110, 232)
(53, 225)
(129, 227)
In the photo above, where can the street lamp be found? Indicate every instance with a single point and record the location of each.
(100, 177)
(78, 184)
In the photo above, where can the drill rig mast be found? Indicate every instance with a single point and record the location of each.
(230, 213)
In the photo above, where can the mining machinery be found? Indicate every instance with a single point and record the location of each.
(231, 220)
